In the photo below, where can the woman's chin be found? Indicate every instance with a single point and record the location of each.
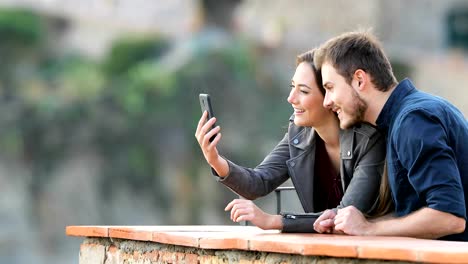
(299, 122)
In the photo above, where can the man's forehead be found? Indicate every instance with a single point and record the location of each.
(328, 73)
(328, 67)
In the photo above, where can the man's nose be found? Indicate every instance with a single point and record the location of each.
(327, 102)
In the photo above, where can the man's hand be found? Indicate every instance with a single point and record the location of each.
(246, 210)
(326, 222)
(351, 221)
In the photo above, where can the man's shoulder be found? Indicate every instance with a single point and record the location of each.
(425, 102)
(421, 105)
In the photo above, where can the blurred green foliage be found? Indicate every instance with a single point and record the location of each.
(128, 51)
(131, 108)
(19, 26)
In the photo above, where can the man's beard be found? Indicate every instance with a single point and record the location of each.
(360, 108)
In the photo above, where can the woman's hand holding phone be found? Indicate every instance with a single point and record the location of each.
(203, 134)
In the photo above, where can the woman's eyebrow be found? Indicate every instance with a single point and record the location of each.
(304, 85)
(301, 85)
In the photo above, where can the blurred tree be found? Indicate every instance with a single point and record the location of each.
(137, 109)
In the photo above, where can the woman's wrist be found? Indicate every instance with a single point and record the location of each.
(276, 222)
(221, 167)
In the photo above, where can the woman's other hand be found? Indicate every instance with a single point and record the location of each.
(326, 222)
(246, 210)
(203, 135)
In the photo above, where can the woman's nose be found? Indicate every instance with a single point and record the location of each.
(291, 97)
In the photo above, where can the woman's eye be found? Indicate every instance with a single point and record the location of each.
(304, 92)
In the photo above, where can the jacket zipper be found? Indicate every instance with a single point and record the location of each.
(291, 216)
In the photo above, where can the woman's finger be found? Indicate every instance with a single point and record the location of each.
(200, 123)
(210, 134)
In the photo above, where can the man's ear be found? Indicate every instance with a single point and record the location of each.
(361, 77)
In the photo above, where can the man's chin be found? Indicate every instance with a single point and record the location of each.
(347, 124)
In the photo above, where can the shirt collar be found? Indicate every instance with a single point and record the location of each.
(393, 104)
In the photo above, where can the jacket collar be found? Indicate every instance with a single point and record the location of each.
(346, 144)
(393, 104)
(303, 136)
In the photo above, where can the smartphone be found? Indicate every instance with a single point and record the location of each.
(205, 104)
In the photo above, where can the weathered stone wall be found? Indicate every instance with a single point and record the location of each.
(116, 251)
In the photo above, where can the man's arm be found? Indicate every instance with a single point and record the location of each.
(425, 223)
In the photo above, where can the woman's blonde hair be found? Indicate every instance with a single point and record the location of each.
(384, 204)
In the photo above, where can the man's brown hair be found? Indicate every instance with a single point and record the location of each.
(357, 50)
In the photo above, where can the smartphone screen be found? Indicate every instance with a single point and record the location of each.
(205, 104)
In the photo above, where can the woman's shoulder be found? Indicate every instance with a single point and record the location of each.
(362, 130)
(361, 136)
(360, 140)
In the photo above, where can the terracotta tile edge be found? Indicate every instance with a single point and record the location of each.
(387, 253)
(223, 243)
(443, 257)
(362, 248)
(330, 250)
(129, 233)
(87, 231)
(175, 238)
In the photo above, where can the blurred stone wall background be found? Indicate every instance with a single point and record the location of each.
(95, 132)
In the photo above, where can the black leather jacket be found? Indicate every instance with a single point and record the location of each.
(362, 151)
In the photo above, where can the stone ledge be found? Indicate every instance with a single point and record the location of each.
(248, 238)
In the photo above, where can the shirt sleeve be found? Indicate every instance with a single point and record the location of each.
(423, 149)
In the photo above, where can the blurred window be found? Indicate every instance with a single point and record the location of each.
(457, 28)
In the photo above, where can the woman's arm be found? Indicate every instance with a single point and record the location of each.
(254, 183)
(247, 182)
(367, 170)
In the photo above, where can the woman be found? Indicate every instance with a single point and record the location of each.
(329, 167)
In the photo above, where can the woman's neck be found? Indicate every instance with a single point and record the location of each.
(329, 131)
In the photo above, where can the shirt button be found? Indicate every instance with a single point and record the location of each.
(293, 164)
(349, 153)
(296, 141)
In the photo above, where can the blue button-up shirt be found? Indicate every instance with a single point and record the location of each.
(427, 153)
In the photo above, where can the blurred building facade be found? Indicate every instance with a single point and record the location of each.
(417, 33)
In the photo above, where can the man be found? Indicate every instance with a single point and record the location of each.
(427, 143)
